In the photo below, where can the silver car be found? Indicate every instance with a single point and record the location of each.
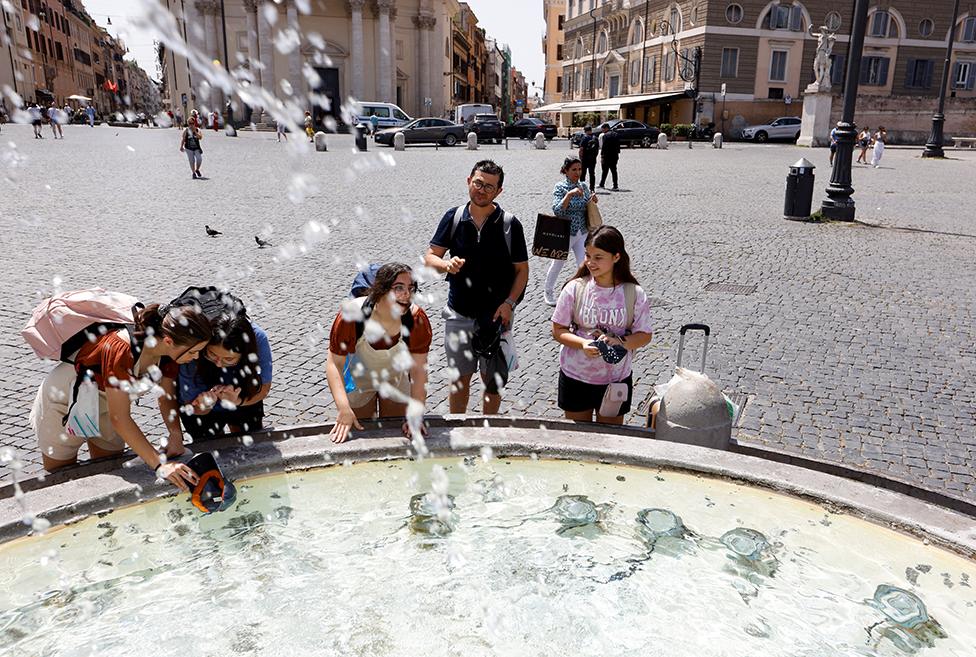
(785, 127)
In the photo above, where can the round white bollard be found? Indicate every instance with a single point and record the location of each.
(320, 144)
(230, 130)
(472, 141)
(662, 141)
(399, 142)
(540, 141)
(717, 140)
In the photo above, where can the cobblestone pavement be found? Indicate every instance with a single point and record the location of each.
(856, 347)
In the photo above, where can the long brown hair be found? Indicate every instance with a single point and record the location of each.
(609, 239)
(385, 278)
(184, 325)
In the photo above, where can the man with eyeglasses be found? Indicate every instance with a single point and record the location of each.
(487, 272)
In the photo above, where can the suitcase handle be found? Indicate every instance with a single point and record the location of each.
(681, 342)
(696, 327)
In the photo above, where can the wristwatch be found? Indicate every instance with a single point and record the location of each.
(511, 302)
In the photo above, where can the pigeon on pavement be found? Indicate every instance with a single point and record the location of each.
(211, 232)
(262, 243)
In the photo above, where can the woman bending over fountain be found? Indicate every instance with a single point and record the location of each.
(225, 389)
(124, 367)
(602, 316)
(378, 352)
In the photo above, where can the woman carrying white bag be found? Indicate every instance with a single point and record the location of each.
(113, 350)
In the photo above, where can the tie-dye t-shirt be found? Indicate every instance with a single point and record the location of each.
(603, 308)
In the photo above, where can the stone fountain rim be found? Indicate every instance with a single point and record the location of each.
(118, 483)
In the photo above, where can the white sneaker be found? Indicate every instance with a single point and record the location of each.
(549, 298)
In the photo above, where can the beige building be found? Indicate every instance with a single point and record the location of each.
(397, 51)
(633, 59)
(16, 65)
(554, 12)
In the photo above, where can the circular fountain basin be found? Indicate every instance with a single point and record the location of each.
(514, 543)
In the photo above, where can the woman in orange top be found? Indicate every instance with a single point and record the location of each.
(382, 338)
(125, 367)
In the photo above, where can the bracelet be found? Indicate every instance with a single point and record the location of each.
(511, 302)
(156, 470)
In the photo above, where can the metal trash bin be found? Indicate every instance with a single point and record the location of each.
(361, 137)
(799, 191)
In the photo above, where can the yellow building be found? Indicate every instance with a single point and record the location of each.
(554, 12)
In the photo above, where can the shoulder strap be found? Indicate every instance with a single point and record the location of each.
(507, 219)
(458, 215)
(578, 299)
(367, 311)
(630, 299)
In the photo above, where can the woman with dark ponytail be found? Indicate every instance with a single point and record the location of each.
(226, 387)
(124, 366)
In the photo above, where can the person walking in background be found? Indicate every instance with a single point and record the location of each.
(280, 130)
(833, 145)
(880, 138)
(190, 140)
(194, 119)
(602, 317)
(570, 197)
(863, 142)
(215, 121)
(55, 117)
(36, 119)
(309, 127)
(589, 150)
(90, 111)
(609, 155)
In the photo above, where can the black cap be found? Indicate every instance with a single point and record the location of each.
(588, 128)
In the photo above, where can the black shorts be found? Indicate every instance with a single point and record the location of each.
(833, 148)
(577, 396)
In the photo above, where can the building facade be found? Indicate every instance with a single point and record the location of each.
(427, 56)
(53, 50)
(554, 12)
(636, 59)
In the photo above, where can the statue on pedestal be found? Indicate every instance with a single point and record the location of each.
(821, 60)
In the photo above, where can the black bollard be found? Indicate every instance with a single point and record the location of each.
(361, 138)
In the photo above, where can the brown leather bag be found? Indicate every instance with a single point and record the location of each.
(593, 217)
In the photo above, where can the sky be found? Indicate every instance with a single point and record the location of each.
(519, 23)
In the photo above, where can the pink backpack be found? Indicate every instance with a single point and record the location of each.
(60, 326)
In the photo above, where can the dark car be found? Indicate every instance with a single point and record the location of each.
(487, 127)
(424, 131)
(527, 129)
(632, 133)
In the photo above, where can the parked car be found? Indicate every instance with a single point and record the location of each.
(785, 127)
(487, 127)
(463, 113)
(387, 115)
(424, 131)
(528, 127)
(632, 133)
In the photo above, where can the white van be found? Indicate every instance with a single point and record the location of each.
(462, 113)
(387, 115)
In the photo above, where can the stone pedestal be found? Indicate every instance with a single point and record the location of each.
(815, 129)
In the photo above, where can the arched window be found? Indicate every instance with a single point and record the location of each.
(637, 33)
(882, 25)
(674, 20)
(601, 44)
(784, 16)
(579, 49)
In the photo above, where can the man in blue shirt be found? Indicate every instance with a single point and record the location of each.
(487, 272)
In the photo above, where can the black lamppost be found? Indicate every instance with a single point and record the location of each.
(593, 64)
(689, 69)
(839, 205)
(933, 147)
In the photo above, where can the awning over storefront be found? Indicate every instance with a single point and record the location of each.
(613, 104)
(551, 107)
(647, 98)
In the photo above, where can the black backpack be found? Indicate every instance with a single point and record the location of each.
(590, 146)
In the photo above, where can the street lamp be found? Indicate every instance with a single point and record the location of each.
(839, 205)
(933, 147)
(691, 76)
(593, 52)
(47, 83)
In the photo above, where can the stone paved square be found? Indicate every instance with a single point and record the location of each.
(857, 346)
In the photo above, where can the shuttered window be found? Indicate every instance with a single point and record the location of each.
(918, 73)
(874, 71)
